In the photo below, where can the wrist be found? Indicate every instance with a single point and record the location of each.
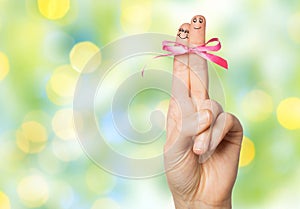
(181, 204)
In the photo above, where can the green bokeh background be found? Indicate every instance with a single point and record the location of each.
(261, 41)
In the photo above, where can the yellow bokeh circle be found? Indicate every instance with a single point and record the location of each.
(62, 84)
(4, 66)
(247, 152)
(63, 81)
(54, 9)
(136, 18)
(257, 106)
(57, 99)
(63, 125)
(33, 191)
(32, 137)
(288, 113)
(4, 201)
(85, 57)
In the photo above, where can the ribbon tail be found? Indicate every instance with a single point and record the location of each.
(143, 70)
(215, 59)
(145, 66)
(163, 55)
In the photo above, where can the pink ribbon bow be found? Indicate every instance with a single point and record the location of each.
(179, 49)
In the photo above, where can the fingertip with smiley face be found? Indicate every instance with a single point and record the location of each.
(183, 33)
(197, 30)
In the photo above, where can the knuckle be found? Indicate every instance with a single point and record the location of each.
(213, 106)
(229, 117)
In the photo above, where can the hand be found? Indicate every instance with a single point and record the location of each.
(198, 127)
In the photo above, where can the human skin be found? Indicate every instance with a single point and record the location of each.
(199, 79)
(194, 185)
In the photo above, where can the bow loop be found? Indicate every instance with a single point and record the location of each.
(175, 48)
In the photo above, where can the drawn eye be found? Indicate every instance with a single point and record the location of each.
(194, 20)
(200, 20)
(186, 31)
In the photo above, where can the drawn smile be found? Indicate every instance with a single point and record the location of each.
(197, 28)
(179, 35)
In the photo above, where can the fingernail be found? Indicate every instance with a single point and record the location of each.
(198, 148)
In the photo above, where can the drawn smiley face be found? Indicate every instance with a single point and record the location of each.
(198, 22)
(183, 32)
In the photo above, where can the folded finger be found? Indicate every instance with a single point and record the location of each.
(179, 139)
(203, 140)
(228, 128)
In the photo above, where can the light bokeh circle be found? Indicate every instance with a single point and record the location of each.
(247, 152)
(82, 53)
(288, 113)
(4, 201)
(54, 9)
(4, 66)
(33, 191)
(32, 137)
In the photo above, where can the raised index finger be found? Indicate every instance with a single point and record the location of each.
(198, 65)
(180, 86)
